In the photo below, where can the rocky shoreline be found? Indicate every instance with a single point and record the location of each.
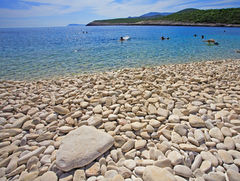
(177, 122)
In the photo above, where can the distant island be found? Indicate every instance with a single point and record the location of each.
(187, 17)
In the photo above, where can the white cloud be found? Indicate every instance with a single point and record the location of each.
(107, 8)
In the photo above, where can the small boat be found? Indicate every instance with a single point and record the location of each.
(125, 38)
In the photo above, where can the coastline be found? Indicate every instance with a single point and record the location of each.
(176, 121)
(162, 23)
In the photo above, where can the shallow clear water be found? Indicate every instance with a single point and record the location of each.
(29, 53)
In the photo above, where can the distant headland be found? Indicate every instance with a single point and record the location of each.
(188, 17)
(74, 25)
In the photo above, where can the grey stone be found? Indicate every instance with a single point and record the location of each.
(214, 176)
(233, 175)
(153, 173)
(183, 170)
(225, 156)
(206, 155)
(196, 121)
(36, 152)
(79, 175)
(175, 157)
(61, 110)
(197, 162)
(48, 176)
(128, 145)
(216, 133)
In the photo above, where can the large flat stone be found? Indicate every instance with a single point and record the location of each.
(81, 146)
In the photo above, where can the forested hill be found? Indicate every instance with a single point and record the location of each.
(230, 16)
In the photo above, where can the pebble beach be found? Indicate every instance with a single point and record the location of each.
(176, 122)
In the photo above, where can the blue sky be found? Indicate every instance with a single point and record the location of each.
(38, 13)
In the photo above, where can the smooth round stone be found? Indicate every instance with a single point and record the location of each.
(66, 177)
(79, 175)
(109, 126)
(154, 123)
(220, 169)
(94, 170)
(232, 167)
(49, 175)
(61, 110)
(110, 174)
(84, 104)
(182, 170)
(50, 118)
(97, 109)
(199, 136)
(12, 165)
(210, 144)
(46, 159)
(225, 156)
(126, 127)
(176, 138)
(119, 141)
(209, 124)
(152, 109)
(118, 178)
(65, 129)
(49, 150)
(145, 135)
(221, 146)
(205, 166)
(237, 162)
(32, 161)
(2, 172)
(114, 155)
(130, 134)
(165, 162)
(174, 119)
(137, 126)
(216, 133)
(214, 176)
(206, 155)
(233, 175)
(226, 131)
(153, 173)
(175, 157)
(180, 129)
(139, 170)
(229, 143)
(139, 144)
(112, 117)
(197, 162)
(39, 126)
(196, 121)
(125, 172)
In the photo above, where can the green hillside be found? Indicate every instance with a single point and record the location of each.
(190, 15)
(228, 16)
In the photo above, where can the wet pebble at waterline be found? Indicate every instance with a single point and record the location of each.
(172, 122)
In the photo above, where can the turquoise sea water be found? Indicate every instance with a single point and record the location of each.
(29, 53)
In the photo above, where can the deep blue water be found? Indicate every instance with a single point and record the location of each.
(29, 53)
